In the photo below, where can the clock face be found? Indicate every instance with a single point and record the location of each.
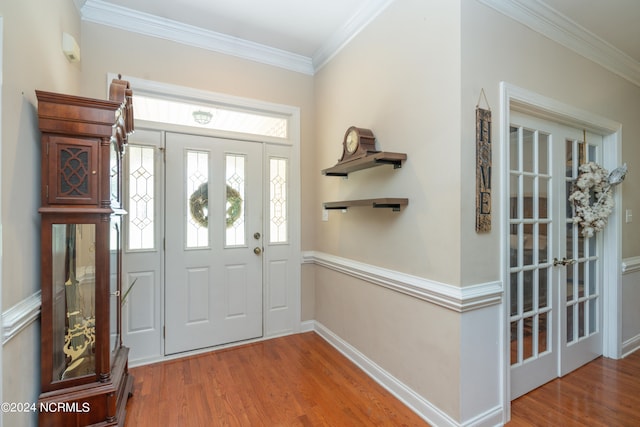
(351, 142)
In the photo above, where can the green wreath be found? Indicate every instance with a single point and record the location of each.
(199, 205)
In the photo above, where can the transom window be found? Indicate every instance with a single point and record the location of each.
(218, 117)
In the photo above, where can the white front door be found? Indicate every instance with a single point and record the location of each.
(213, 242)
(555, 273)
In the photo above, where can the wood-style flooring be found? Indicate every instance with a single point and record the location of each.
(300, 380)
(605, 392)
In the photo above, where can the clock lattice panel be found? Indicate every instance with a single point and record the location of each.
(74, 172)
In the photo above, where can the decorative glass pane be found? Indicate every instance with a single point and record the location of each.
(74, 171)
(141, 210)
(74, 293)
(197, 195)
(211, 116)
(235, 196)
(278, 200)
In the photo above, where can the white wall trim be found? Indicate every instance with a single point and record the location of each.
(559, 28)
(104, 13)
(405, 394)
(459, 299)
(101, 12)
(21, 315)
(631, 345)
(360, 20)
(631, 265)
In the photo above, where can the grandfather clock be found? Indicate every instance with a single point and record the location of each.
(84, 366)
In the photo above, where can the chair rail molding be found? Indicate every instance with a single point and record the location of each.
(459, 299)
(21, 315)
(631, 265)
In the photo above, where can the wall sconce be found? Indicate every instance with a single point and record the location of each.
(70, 48)
(202, 117)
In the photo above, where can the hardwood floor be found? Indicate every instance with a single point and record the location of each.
(298, 380)
(604, 392)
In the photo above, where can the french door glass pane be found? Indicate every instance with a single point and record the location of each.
(530, 217)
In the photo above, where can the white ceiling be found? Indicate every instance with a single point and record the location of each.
(306, 33)
(297, 26)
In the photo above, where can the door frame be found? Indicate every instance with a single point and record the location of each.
(273, 147)
(515, 98)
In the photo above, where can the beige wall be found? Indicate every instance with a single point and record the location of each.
(529, 60)
(399, 77)
(32, 59)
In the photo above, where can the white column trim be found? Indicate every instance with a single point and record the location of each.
(456, 298)
(21, 315)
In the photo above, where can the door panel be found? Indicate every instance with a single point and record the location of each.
(554, 296)
(213, 271)
(142, 255)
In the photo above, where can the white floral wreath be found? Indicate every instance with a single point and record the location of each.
(592, 198)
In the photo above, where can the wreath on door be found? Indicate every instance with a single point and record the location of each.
(199, 205)
(593, 196)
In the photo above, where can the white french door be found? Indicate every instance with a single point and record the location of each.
(555, 274)
(213, 268)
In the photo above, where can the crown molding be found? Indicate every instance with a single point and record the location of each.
(361, 19)
(104, 13)
(550, 23)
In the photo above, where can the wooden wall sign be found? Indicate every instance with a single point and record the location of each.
(483, 170)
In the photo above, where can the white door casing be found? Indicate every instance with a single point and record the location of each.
(144, 317)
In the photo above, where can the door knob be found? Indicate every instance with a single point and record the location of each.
(563, 261)
(257, 250)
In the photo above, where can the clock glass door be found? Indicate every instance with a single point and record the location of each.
(74, 292)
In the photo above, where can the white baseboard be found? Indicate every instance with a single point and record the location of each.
(631, 345)
(406, 395)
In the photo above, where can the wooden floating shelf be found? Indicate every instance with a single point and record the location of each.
(394, 204)
(369, 161)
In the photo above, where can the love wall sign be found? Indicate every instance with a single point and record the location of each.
(483, 170)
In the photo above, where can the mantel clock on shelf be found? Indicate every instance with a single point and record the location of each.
(85, 378)
(357, 143)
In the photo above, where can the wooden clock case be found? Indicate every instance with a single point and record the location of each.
(85, 379)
